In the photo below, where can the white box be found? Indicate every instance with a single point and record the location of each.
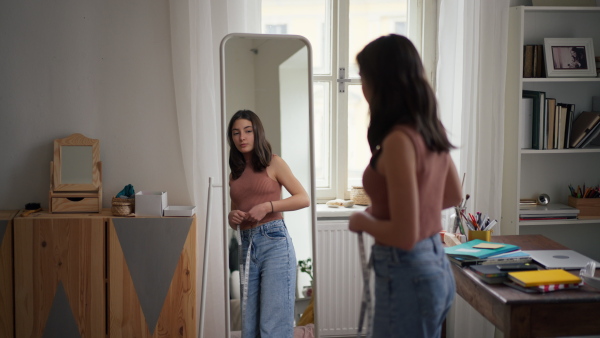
(150, 203)
(180, 210)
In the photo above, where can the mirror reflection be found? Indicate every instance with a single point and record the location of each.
(269, 76)
(77, 164)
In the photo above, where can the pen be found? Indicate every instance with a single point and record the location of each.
(468, 222)
(473, 220)
(492, 223)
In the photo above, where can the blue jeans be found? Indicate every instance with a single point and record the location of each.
(271, 282)
(413, 290)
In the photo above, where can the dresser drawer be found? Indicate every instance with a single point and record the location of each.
(72, 204)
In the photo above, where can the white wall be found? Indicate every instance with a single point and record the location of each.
(103, 69)
(98, 68)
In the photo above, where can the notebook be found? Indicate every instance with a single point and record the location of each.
(478, 249)
(543, 277)
(559, 259)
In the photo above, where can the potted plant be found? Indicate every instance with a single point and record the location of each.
(306, 267)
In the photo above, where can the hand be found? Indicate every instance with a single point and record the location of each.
(357, 221)
(258, 212)
(236, 217)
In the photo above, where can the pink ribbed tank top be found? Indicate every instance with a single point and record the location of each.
(253, 188)
(432, 168)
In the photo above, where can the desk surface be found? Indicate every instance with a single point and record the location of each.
(520, 314)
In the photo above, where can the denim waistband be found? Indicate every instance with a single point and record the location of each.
(262, 228)
(428, 245)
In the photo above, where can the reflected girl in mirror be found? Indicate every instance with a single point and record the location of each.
(410, 179)
(267, 252)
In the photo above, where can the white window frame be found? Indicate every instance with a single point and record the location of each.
(422, 30)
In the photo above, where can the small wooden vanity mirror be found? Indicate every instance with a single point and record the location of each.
(76, 175)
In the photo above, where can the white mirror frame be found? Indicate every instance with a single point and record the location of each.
(225, 163)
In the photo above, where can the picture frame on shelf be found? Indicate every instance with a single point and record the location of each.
(569, 57)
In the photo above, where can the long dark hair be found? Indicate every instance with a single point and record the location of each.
(261, 154)
(400, 94)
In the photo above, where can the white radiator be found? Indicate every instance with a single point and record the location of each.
(339, 278)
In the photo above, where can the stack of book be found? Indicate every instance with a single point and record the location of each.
(479, 252)
(532, 212)
(533, 61)
(498, 274)
(547, 124)
(543, 280)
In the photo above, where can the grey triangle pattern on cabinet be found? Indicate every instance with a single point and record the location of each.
(3, 227)
(151, 247)
(61, 321)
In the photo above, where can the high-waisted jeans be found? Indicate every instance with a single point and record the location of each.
(413, 290)
(271, 282)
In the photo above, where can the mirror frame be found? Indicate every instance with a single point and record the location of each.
(225, 163)
(75, 140)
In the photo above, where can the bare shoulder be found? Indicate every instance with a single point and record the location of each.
(277, 167)
(397, 140)
(278, 163)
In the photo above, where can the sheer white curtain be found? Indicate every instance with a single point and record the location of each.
(471, 72)
(197, 28)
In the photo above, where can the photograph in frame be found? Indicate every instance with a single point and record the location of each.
(569, 57)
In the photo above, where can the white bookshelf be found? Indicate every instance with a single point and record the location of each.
(526, 172)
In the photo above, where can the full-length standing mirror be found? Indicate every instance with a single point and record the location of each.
(271, 75)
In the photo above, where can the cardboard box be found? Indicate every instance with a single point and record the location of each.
(178, 210)
(150, 203)
(589, 208)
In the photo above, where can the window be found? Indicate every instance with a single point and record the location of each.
(337, 31)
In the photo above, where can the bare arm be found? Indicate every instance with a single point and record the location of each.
(398, 164)
(281, 172)
(235, 216)
(452, 188)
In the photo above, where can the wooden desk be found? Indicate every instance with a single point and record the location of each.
(519, 314)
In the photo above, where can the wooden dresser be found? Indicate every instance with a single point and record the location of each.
(96, 275)
(6, 274)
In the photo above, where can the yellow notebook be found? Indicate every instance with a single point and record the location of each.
(543, 277)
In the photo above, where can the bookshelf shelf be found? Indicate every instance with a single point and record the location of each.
(560, 79)
(565, 222)
(527, 173)
(592, 150)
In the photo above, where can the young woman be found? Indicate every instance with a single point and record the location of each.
(267, 251)
(410, 179)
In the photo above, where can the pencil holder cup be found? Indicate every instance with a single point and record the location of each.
(482, 235)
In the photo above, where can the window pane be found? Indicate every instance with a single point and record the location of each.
(370, 19)
(322, 127)
(309, 18)
(359, 153)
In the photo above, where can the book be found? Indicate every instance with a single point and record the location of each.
(590, 136)
(541, 288)
(539, 70)
(538, 121)
(489, 273)
(462, 262)
(570, 116)
(512, 257)
(528, 61)
(478, 249)
(543, 277)
(562, 126)
(526, 115)
(582, 125)
(492, 274)
(551, 104)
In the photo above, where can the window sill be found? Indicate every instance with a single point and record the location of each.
(325, 212)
